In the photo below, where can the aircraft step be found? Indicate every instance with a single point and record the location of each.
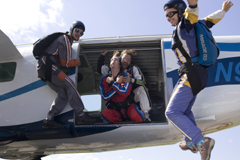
(7, 137)
(37, 133)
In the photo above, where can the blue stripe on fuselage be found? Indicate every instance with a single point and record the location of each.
(22, 90)
(232, 47)
(167, 45)
(29, 87)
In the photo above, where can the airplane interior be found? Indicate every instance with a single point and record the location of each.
(150, 65)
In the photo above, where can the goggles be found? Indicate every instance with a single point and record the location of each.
(171, 14)
(127, 59)
(115, 59)
(77, 30)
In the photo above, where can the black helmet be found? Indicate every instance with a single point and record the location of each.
(180, 5)
(77, 24)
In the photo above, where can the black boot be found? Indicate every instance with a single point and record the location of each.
(85, 119)
(51, 124)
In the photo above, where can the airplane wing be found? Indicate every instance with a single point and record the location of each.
(8, 50)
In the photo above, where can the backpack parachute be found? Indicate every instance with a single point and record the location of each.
(208, 50)
(40, 45)
(39, 48)
(207, 47)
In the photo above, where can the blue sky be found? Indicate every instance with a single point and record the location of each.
(25, 21)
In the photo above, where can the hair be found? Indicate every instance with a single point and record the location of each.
(129, 52)
(116, 54)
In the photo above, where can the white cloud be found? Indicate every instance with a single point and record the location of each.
(21, 20)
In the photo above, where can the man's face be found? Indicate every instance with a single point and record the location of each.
(172, 16)
(77, 33)
(114, 62)
(126, 61)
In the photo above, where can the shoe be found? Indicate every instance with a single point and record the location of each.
(206, 148)
(184, 146)
(51, 124)
(85, 119)
(146, 117)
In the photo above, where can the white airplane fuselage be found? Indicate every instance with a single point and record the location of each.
(25, 101)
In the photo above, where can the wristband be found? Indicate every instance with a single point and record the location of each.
(193, 6)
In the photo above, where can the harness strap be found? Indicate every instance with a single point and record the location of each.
(178, 44)
(48, 72)
(118, 106)
(187, 67)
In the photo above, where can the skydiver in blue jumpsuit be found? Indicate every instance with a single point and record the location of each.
(193, 76)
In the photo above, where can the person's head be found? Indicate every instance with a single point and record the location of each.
(126, 57)
(115, 61)
(174, 10)
(76, 30)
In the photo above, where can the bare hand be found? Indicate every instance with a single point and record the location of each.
(227, 5)
(104, 52)
(119, 79)
(192, 2)
(109, 80)
(126, 79)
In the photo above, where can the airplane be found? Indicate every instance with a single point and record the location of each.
(25, 99)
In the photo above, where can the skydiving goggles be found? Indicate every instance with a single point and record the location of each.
(171, 14)
(115, 59)
(77, 30)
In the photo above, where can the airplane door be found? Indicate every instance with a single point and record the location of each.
(74, 70)
(170, 67)
(84, 78)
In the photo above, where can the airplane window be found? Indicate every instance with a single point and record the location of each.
(7, 71)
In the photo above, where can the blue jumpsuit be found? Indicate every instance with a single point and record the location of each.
(179, 111)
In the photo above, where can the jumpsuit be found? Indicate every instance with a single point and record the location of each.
(61, 56)
(120, 107)
(178, 111)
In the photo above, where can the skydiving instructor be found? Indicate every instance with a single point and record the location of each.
(60, 55)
